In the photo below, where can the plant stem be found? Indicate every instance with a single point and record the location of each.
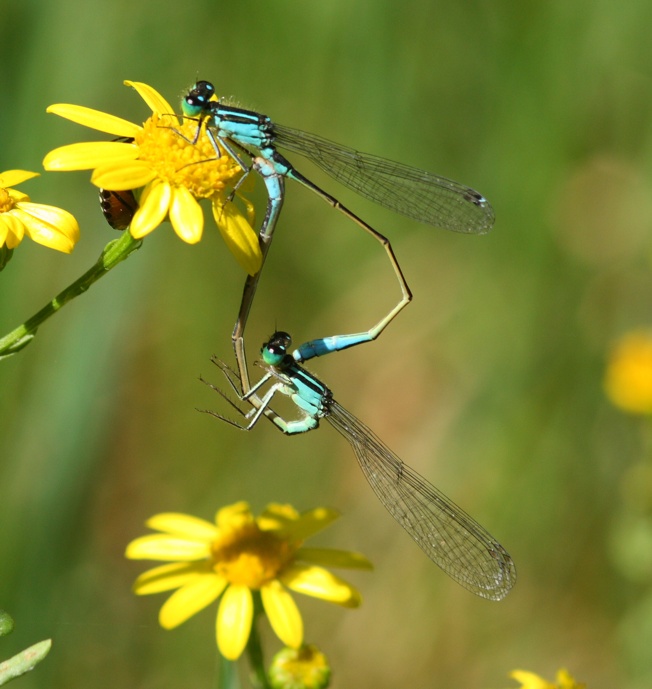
(114, 252)
(24, 661)
(255, 649)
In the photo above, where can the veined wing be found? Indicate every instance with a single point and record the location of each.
(447, 535)
(406, 190)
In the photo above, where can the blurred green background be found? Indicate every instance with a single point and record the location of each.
(490, 383)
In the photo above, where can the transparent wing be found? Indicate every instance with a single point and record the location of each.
(447, 535)
(406, 190)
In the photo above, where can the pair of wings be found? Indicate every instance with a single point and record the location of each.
(448, 536)
(409, 191)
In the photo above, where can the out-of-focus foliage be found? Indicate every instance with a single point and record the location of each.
(490, 384)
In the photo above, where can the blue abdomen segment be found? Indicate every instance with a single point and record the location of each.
(326, 345)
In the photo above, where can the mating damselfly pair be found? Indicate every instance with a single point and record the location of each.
(452, 539)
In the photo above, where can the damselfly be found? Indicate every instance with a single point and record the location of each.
(249, 136)
(415, 193)
(448, 536)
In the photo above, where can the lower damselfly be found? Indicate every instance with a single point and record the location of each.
(448, 535)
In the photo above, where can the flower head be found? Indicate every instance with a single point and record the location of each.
(239, 554)
(46, 225)
(628, 379)
(174, 161)
(529, 680)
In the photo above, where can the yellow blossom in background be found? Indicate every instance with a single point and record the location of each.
(628, 379)
(174, 162)
(239, 554)
(528, 680)
(47, 225)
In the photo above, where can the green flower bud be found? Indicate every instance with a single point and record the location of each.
(303, 668)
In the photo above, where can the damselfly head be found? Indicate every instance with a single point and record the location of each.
(275, 349)
(197, 99)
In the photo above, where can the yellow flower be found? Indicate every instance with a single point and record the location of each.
(239, 554)
(529, 680)
(628, 379)
(175, 164)
(46, 225)
(303, 668)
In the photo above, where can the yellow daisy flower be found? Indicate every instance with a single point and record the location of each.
(628, 379)
(175, 166)
(239, 554)
(529, 680)
(46, 225)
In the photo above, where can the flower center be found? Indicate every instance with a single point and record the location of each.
(250, 557)
(6, 202)
(184, 156)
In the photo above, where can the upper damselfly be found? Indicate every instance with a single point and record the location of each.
(418, 194)
(253, 140)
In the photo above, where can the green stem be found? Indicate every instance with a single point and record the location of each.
(228, 674)
(24, 661)
(255, 649)
(114, 252)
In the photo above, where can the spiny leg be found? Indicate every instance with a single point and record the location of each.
(275, 184)
(259, 405)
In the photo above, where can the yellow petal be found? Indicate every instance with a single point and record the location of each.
(160, 547)
(240, 238)
(277, 516)
(283, 614)
(320, 583)
(63, 221)
(312, 522)
(17, 196)
(239, 512)
(10, 178)
(44, 233)
(190, 599)
(186, 216)
(234, 621)
(333, 558)
(89, 155)
(184, 525)
(154, 205)
(15, 229)
(152, 97)
(168, 577)
(124, 175)
(12, 241)
(95, 119)
(566, 680)
(250, 209)
(529, 680)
